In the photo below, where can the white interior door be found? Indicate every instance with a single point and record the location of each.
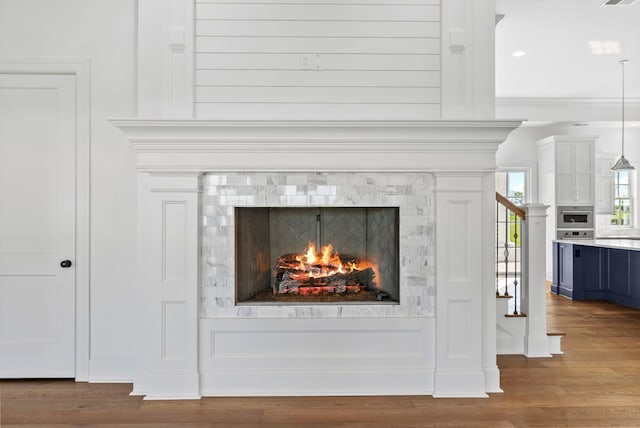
(37, 225)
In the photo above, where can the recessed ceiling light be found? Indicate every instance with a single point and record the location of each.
(608, 47)
(518, 53)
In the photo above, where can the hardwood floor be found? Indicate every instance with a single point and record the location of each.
(596, 383)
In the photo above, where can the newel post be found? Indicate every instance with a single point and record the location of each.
(534, 289)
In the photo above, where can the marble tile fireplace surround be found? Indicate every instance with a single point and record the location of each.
(436, 337)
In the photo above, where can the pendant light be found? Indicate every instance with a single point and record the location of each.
(623, 163)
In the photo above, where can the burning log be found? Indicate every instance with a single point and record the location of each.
(292, 262)
(338, 275)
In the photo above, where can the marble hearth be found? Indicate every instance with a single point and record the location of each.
(196, 340)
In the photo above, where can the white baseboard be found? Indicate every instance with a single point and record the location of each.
(492, 379)
(555, 344)
(458, 384)
(111, 369)
(313, 382)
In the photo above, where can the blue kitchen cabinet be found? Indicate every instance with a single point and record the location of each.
(563, 269)
(618, 281)
(634, 276)
(589, 272)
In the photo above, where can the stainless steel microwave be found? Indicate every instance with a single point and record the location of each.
(574, 217)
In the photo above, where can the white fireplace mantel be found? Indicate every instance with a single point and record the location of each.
(208, 145)
(448, 354)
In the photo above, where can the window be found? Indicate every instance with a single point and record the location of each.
(513, 185)
(622, 199)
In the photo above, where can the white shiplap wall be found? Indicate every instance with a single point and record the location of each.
(317, 59)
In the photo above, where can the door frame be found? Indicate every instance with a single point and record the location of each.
(80, 69)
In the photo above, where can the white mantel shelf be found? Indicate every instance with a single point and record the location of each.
(208, 145)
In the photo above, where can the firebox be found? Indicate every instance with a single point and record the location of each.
(317, 255)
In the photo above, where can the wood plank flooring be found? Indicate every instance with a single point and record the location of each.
(596, 383)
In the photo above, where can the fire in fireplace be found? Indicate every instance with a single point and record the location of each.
(357, 263)
(329, 272)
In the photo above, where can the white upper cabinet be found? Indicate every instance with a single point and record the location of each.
(583, 172)
(604, 185)
(570, 161)
(566, 190)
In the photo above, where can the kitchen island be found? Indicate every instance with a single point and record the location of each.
(598, 269)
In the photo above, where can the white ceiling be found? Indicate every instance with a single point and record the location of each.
(555, 34)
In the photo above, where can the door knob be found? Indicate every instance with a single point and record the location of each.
(65, 264)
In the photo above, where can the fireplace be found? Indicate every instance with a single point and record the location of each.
(255, 225)
(289, 255)
(199, 180)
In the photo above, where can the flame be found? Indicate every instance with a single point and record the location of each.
(326, 254)
(326, 263)
(322, 266)
(311, 255)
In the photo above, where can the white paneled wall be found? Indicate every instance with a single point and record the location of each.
(317, 59)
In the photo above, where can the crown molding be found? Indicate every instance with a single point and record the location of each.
(566, 109)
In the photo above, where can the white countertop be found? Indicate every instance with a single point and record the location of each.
(624, 244)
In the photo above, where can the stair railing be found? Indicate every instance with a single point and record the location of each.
(509, 239)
